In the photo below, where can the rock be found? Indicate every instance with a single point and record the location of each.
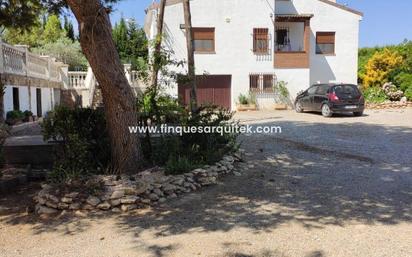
(88, 207)
(72, 195)
(129, 200)
(41, 200)
(172, 196)
(146, 201)
(153, 197)
(229, 159)
(40, 209)
(140, 187)
(237, 156)
(169, 188)
(74, 206)
(46, 187)
(104, 206)
(115, 202)
(117, 194)
(52, 198)
(158, 192)
(93, 200)
(116, 210)
(128, 207)
(51, 204)
(66, 200)
(162, 200)
(129, 190)
(63, 206)
(237, 174)
(404, 100)
(80, 214)
(178, 181)
(204, 181)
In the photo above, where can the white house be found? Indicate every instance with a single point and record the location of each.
(247, 45)
(31, 82)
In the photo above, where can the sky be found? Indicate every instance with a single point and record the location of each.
(384, 22)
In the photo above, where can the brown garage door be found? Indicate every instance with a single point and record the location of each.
(211, 89)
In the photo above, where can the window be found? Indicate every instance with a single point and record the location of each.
(323, 89)
(204, 40)
(282, 38)
(260, 40)
(16, 99)
(261, 82)
(312, 90)
(325, 42)
(267, 82)
(254, 82)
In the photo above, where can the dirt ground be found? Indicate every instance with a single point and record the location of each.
(324, 187)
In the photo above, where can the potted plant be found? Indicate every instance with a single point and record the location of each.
(14, 117)
(246, 103)
(282, 92)
(28, 116)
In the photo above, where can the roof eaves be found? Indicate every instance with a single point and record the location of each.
(343, 7)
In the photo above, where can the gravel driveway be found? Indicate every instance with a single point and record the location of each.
(324, 187)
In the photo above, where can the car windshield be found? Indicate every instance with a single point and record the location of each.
(346, 90)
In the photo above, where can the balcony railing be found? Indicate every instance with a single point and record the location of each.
(17, 60)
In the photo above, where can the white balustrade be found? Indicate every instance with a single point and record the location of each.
(13, 59)
(77, 79)
(37, 66)
(17, 60)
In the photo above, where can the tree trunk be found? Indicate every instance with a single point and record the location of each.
(1, 101)
(156, 60)
(158, 43)
(119, 102)
(190, 55)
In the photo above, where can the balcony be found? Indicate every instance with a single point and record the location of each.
(292, 42)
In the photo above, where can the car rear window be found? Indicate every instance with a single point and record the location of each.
(346, 90)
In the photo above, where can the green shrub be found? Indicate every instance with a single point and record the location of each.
(408, 93)
(243, 99)
(281, 86)
(13, 117)
(27, 114)
(404, 81)
(374, 95)
(85, 145)
(194, 149)
(247, 99)
(178, 165)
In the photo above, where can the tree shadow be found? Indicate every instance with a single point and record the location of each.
(362, 175)
(294, 181)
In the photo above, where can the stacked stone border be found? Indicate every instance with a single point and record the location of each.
(389, 105)
(125, 193)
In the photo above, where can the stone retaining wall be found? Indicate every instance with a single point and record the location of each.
(389, 105)
(125, 193)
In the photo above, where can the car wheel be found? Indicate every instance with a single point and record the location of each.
(358, 114)
(326, 112)
(298, 107)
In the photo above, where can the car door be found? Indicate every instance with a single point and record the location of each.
(304, 100)
(310, 98)
(320, 97)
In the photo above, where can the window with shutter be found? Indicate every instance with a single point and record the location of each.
(204, 40)
(260, 40)
(325, 43)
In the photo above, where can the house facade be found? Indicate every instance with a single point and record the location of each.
(244, 46)
(30, 82)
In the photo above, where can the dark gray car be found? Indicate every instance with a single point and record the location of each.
(331, 98)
